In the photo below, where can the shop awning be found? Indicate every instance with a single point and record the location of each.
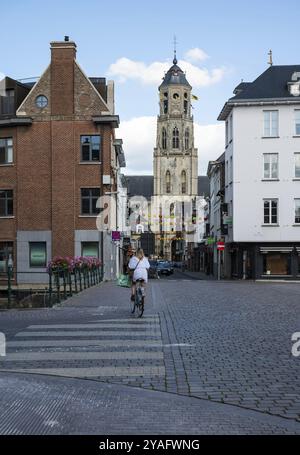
(276, 249)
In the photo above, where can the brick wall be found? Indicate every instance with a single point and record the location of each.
(47, 174)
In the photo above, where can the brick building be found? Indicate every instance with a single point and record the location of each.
(58, 154)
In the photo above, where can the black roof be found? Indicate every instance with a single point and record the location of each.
(272, 84)
(140, 185)
(143, 185)
(175, 76)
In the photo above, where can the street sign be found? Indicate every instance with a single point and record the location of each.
(116, 236)
(220, 246)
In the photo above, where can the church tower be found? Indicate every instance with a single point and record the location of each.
(175, 163)
(175, 158)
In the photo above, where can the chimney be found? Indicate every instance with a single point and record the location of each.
(63, 54)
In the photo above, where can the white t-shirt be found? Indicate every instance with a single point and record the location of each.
(140, 268)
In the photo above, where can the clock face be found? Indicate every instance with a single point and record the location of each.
(41, 101)
(176, 96)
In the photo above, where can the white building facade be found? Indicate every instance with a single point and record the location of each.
(262, 176)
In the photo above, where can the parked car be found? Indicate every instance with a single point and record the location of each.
(171, 264)
(164, 268)
(153, 269)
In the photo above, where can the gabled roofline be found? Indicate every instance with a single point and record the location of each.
(19, 110)
(229, 105)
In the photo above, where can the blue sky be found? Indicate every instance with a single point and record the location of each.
(235, 35)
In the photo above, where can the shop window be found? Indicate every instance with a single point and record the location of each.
(277, 264)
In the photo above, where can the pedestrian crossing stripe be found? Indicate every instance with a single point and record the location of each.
(114, 348)
(148, 371)
(84, 333)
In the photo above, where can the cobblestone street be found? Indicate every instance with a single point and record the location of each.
(219, 353)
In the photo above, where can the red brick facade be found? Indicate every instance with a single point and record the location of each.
(47, 173)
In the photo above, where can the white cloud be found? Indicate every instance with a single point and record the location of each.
(126, 69)
(139, 138)
(196, 55)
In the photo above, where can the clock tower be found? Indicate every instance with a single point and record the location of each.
(175, 157)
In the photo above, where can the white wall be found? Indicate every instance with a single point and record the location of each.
(248, 188)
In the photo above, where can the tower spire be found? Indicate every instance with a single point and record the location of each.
(175, 44)
(270, 54)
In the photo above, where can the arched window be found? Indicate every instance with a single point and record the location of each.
(183, 182)
(187, 139)
(164, 139)
(165, 103)
(168, 182)
(172, 216)
(175, 138)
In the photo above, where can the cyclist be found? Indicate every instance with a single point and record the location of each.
(139, 265)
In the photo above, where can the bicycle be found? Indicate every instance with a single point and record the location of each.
(137, 305)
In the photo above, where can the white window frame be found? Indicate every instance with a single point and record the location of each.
(270, 223)
(297, 121)
(271, 156)
(296, 155)
(295, 213)
(9, 150)
(268, 132)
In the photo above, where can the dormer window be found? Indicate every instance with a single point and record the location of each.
(294, 89)
(294, 85)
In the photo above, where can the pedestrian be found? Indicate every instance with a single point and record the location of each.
(138, 267)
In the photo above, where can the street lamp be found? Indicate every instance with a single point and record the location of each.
(10, 266)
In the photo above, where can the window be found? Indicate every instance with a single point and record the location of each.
(183, 182)
(168, 182)
(175, 138)
(90, 148)
(89, 197)
(164, 139)
(37, 254)
(270, 211)
(6, 203)
(6, 250)
(271, 123)
(297, 122)
(7, 102)
(185, 106)
(165, 103)
(271, 166)
(226, 133)
(297, 165)
(6, 150)
(90, 249)
(230, 129)
(231, 170)
(297, 211)
(41, 101)
(186, 139)
(277, 264)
